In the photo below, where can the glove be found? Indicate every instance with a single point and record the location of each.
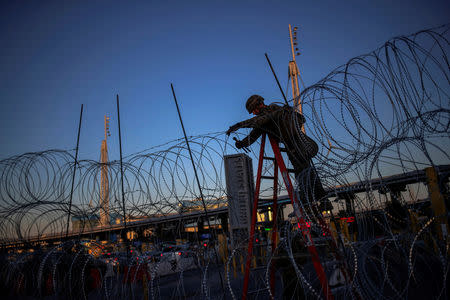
(238, 144)
(232, 129)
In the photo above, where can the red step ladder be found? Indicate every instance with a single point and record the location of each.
(279, 163)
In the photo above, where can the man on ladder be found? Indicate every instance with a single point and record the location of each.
(283, 124)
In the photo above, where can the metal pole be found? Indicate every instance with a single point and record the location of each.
(74, 171)
(198, 181)
(121, 179)
(190, 154)
(276, 78)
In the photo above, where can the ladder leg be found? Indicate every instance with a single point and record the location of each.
(304, 228)
(254, 212)
(274, 226)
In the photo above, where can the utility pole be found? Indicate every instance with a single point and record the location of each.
(293, 71)
(104, 181)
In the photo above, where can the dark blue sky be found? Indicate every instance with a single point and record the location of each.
(56, 55)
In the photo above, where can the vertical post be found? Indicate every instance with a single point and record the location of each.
(121, 179)
(192, 159)
(214, 238)
(276, 78)
(74, 171)
(437, 202)
(223, 250)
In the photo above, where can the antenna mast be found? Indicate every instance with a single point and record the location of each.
(104, 181)
(293, 71)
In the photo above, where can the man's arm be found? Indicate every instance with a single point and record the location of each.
(233, 128)
(250, 139)
(243, 124)
(257, 121)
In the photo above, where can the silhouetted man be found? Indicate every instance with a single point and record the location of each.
(284, 124)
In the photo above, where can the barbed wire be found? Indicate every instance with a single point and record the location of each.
(380, 114)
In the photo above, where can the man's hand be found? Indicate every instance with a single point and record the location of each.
(238, 144)
(232, 128)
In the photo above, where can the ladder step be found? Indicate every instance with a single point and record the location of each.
(267, 177)
(290, 170)
(282, 149)
(268, 158)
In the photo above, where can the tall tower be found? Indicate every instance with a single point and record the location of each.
(104, 181)
(293, 71)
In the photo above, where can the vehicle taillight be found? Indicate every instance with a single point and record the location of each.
(179, 253)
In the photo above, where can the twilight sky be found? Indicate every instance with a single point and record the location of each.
(56, 55)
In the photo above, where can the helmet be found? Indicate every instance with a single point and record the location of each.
(253, 102)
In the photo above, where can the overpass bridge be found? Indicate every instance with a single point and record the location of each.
(391, 184)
